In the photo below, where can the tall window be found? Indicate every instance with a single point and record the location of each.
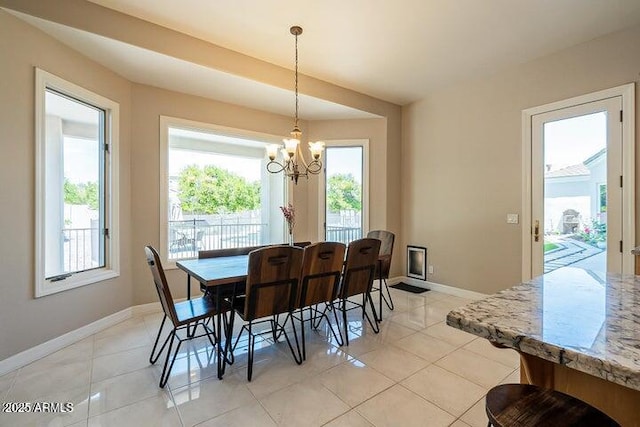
(344, 191)
(74, 182)
(217, 192)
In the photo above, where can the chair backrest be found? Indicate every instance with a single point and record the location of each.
(160, 280)
(302, 244)
(321, 268)
(272, 281)
(386, 250)
(359, 267)
(215, 253)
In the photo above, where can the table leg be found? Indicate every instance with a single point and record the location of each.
(379, 317)
(188, 286)
(221, 355)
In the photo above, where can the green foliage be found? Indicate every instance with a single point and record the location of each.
(81, 194)
(344, 193)
(213, 190)
(593, 234)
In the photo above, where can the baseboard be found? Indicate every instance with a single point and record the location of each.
(445, 289)
(38, 352)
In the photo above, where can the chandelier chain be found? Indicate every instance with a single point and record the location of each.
(296, 123)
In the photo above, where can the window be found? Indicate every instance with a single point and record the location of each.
(215, 189)
(344, 191)
(76, 186)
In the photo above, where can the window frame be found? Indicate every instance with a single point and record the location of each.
(43, 81)
(167, 122)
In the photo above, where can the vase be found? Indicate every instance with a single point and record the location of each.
(290, 235)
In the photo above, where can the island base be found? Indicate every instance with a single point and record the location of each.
(619, 402)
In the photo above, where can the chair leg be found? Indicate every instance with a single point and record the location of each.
(153, 359)
(344, 320)
(166, 372)
(337, 336)
(374, 324)
(228, 333)
(304, 346)
(251, 345)
(390, 301)
(297, 357)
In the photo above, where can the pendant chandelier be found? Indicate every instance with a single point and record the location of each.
(293, 163)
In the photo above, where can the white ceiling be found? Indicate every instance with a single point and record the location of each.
(395, 50)
(155, 69)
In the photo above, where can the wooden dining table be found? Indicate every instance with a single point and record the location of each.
(217, 274)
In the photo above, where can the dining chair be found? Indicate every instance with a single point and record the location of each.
(319, 281)
(196, 311)
(383, 266)
(357, 278)
(271, 290)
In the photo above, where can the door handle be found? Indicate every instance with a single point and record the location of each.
(536, 231)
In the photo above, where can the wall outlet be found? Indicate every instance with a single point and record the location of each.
(430, 269)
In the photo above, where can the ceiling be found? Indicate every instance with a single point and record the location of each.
(398, 51)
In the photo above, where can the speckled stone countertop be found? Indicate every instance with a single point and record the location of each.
(583, 320)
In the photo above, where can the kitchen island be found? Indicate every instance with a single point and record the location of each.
(576, 330)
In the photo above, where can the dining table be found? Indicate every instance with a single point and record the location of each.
(218, 274)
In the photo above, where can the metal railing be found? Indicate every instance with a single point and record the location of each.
(188, 237)
(81, 249)
(336, 233)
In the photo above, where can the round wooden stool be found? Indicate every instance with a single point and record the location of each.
(525, 405)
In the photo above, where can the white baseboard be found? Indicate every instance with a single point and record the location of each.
(445, 289)
(38, 352)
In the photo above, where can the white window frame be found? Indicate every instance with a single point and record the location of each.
(364, 143)
(45, 80)
(167, 122)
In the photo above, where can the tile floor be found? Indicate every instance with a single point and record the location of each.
(416, 372)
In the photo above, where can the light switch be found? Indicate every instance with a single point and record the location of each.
(512, 218)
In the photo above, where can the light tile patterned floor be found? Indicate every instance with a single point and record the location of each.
(416, 372)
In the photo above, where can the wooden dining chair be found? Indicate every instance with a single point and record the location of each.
(383, 266)
(357, 278)
(319, 282)
(271, 290)
(183, 314)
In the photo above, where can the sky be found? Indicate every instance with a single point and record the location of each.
(571, 141)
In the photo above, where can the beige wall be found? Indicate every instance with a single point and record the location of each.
(25, 321)
(461, 154)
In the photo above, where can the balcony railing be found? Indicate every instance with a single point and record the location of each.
(186, 238)
(336, 233)
(81, 249)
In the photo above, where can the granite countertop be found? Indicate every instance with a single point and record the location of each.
(583, 320)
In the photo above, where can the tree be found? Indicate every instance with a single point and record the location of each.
(81, 194)
(344, 193)
(213, 190)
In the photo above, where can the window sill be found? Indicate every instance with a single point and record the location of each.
(46, 287)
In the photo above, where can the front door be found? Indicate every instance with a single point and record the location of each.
(576, 187)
